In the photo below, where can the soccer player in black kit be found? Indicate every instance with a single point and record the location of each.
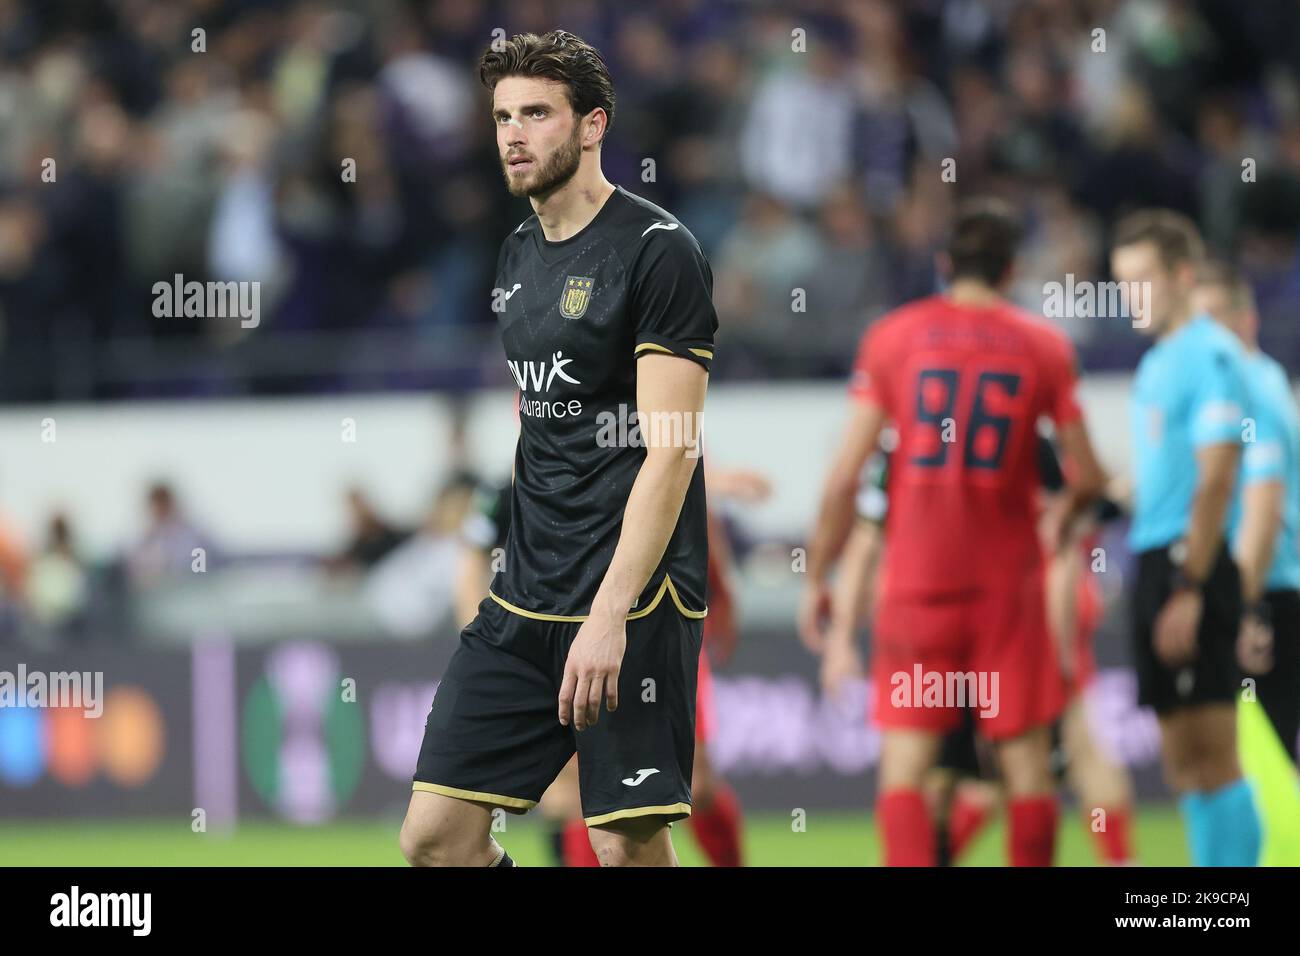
(605, 311)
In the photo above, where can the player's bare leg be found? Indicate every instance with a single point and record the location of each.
(906, 756)
(1025, 762)
(561, 801)
(1101, 785)
(1199, 747)
(445, 831)
(637, 841)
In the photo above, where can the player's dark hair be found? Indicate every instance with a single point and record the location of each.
(1224, 275)
(985, 236)
(1173, 234)
(559, 56)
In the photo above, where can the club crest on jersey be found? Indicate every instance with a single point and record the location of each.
(575, 297)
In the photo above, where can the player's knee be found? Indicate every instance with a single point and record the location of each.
(424, 845)
(641, 841)
(1026, 763)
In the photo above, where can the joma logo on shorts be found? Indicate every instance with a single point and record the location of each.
(946, 689)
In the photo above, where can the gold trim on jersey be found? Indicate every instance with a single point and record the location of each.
(655, 346)
(667, 587)
(652, 345)
(637, 812)
(477, 795)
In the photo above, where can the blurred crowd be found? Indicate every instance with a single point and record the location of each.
(57, 592)
(815, 147)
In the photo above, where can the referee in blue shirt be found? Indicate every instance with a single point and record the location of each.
(1190, 408)
(1264, 539)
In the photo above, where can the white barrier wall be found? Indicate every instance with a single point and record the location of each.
(270, 474)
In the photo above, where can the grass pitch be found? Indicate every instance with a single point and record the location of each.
(830, 839)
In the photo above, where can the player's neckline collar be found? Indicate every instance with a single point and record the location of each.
(561, 243)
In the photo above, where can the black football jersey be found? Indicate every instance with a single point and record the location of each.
(575, 316)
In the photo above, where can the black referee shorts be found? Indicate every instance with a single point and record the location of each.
(493, 734)
(1213, 676)
(1279, 688)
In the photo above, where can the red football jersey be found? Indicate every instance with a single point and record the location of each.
(965, 386)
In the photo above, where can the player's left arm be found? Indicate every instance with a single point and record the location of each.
(669, 391)
(670, 295)
(670, 402)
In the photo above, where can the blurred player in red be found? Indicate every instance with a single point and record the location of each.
(962, 790)
(1104, 787)
(965, 377)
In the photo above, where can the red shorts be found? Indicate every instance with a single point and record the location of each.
(992, 652)
(704, 701)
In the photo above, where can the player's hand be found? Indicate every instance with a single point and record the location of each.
(814, 611)
(742, 484)
(1255, 645)
(841, 662)
(1176, 626)
(591, 670)
(1053, 530)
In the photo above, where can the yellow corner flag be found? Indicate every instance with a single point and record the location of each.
(1268, 767)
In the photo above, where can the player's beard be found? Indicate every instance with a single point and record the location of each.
(559, 168)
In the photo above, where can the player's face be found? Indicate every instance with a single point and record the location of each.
(538, 135)
(1162, 292)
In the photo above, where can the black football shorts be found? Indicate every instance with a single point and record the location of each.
(494, 736)
(1213, 676)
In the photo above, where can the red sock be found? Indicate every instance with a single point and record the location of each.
(965, 820)
(577, 845)
(1114, 844)
(1032, 836)
(905, 828)
(717, 827)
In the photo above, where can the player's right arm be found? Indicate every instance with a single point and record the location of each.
(835, 516)
(1085, 480)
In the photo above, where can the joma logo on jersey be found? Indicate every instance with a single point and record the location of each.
(575, 297)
